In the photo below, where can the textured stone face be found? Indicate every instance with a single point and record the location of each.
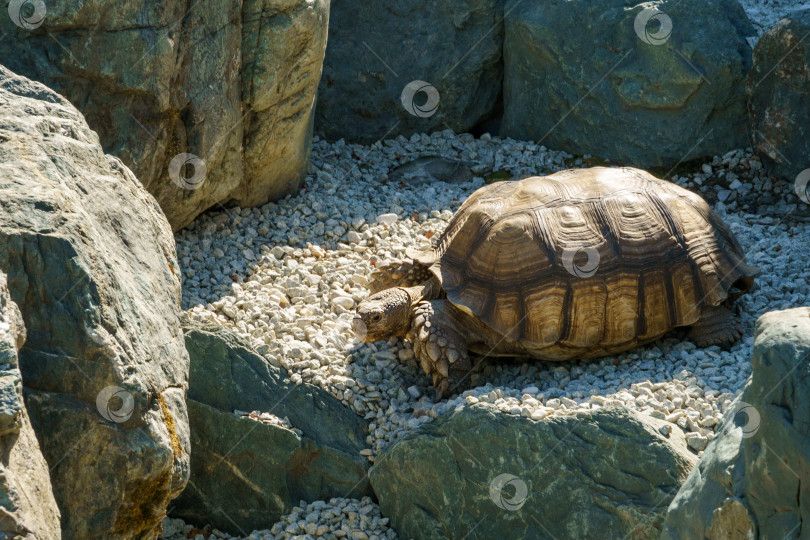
(480, 473)
(751, 481)
(246, 474)
(91, 262)
(283, 44)
(377, 48)
(591, 77)
(779, 93)
(232, 83)
(27, 506)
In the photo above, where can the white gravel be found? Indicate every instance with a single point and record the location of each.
(288, 275)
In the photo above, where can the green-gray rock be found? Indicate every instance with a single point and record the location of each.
(233, 83)
(753, 480)
(578, 77)
(27, 507)
(376, 49)
(91, 263)
(480, 473)
(779, 94)
(245, 474)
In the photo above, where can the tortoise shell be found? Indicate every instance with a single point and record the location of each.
(587, 261)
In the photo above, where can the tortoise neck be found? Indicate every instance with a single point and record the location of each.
(428, 290)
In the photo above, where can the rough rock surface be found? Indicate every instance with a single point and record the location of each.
(479, 473)
(752, 481)
(91, 263)
(235, 87)
(376, 49)
(577, 76)
(246, 470)
(779, 92)
(283, 44)
(27, 507)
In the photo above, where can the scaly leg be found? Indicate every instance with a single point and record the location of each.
(439, 346)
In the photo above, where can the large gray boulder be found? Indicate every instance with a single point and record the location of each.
(480, 473)
(27, 507)
(91, 263)
(590, 77)
(779, 94)
(752, 480)
(232, 83)
(377, 49)
(247, 472)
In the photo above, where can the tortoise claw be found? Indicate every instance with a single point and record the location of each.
(443, 367)
(441, 388)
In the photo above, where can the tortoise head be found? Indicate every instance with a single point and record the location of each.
(383, 315)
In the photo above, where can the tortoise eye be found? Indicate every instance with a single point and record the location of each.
(376, 317)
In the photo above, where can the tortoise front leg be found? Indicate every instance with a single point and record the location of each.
(439, 346)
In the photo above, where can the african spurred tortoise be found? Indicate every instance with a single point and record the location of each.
(579, 264)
